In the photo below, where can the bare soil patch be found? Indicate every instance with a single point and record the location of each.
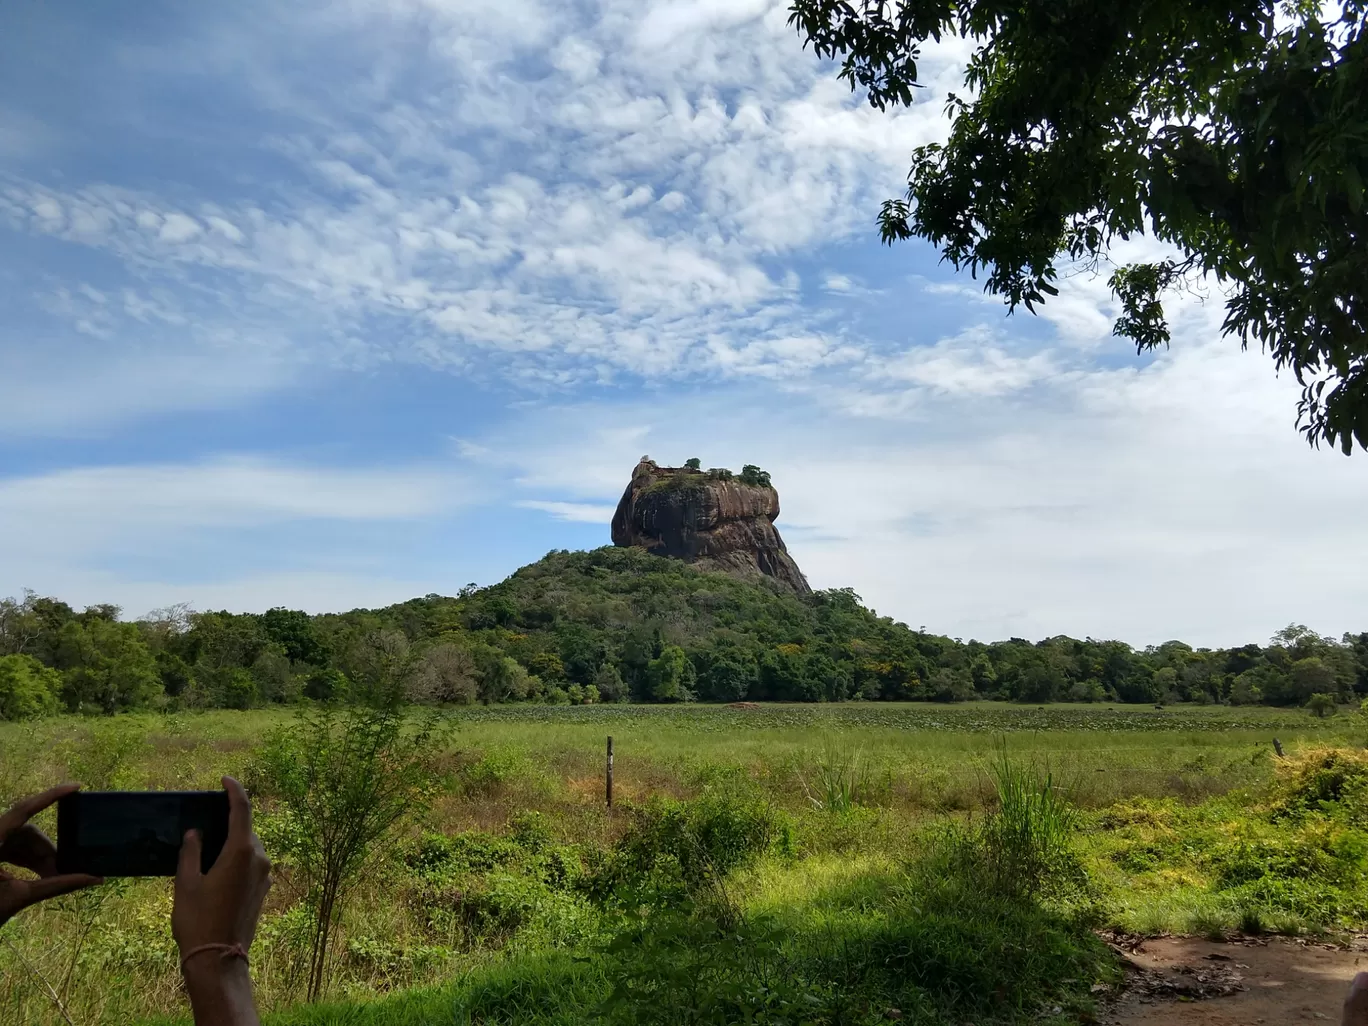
(1188, 981)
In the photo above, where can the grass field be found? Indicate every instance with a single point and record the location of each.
(493, 910)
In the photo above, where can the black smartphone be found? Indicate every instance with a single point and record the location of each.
(137, 833)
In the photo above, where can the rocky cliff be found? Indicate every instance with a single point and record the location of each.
(715, 522)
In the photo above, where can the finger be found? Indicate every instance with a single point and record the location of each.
(50, 887)
(260, 857)
(29, 847)
(189, 865)
(26, 808)
(239, 811)
(43, 854)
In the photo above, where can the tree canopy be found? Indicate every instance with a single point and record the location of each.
(616, 624)
(1234, 130)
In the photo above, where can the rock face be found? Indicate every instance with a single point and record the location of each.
(711, 522)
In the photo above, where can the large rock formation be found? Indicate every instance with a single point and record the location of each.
(713, 521)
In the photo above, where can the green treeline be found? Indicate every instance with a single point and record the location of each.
(616, 625)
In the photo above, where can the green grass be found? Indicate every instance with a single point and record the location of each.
(482, 914)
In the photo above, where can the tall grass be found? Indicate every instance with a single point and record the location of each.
(957, 870)
(837, 779)
(1027, 839)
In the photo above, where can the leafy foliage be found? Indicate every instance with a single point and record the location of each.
(27, 688)
(1285, 859)
(618, 624)
(1232, 131)
(342, 780)
(677, 853)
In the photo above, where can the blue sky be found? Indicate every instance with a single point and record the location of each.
(332, 304)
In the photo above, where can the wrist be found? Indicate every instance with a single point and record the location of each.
(220, 989)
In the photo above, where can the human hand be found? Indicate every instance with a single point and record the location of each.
(1356, 1003)
(223, 905)
(23, 844)
(214, 917)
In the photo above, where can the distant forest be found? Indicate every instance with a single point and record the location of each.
(616, 625)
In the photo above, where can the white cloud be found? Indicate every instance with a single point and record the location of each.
(178, 228)
(74, 389)
(234, 532)
(972, 363)
(89, 507)
(576, 512)
(620, 214)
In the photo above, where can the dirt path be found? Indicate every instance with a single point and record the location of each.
(1190, 982)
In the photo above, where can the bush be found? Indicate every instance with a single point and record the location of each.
(1321, 705)
(678, 851)
(443, 857)
(1322, 780)
(100, 756)
(27, 688)
(946, 951)
(342, 781)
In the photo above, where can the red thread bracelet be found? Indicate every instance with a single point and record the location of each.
(228, 951)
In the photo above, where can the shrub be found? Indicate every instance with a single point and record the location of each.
(531, 830)
(442, 856)
(753, 475)
(342, 781)
(676, 851)
(100, 756)
(493, 769)
(27, 688)
(1320, 779)
(946, 952)
(1023, 850)
(1321, 705)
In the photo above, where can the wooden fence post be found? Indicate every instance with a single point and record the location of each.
(610, 771)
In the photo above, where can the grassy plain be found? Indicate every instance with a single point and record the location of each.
(486, 911)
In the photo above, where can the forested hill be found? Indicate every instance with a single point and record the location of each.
(615, 624)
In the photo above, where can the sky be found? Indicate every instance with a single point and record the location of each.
(332, 304)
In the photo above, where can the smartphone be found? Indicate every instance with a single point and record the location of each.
(137, 833)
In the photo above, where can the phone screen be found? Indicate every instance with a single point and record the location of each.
(137, 833)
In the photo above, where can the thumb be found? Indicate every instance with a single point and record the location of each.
(189, 867)
(51, 886)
